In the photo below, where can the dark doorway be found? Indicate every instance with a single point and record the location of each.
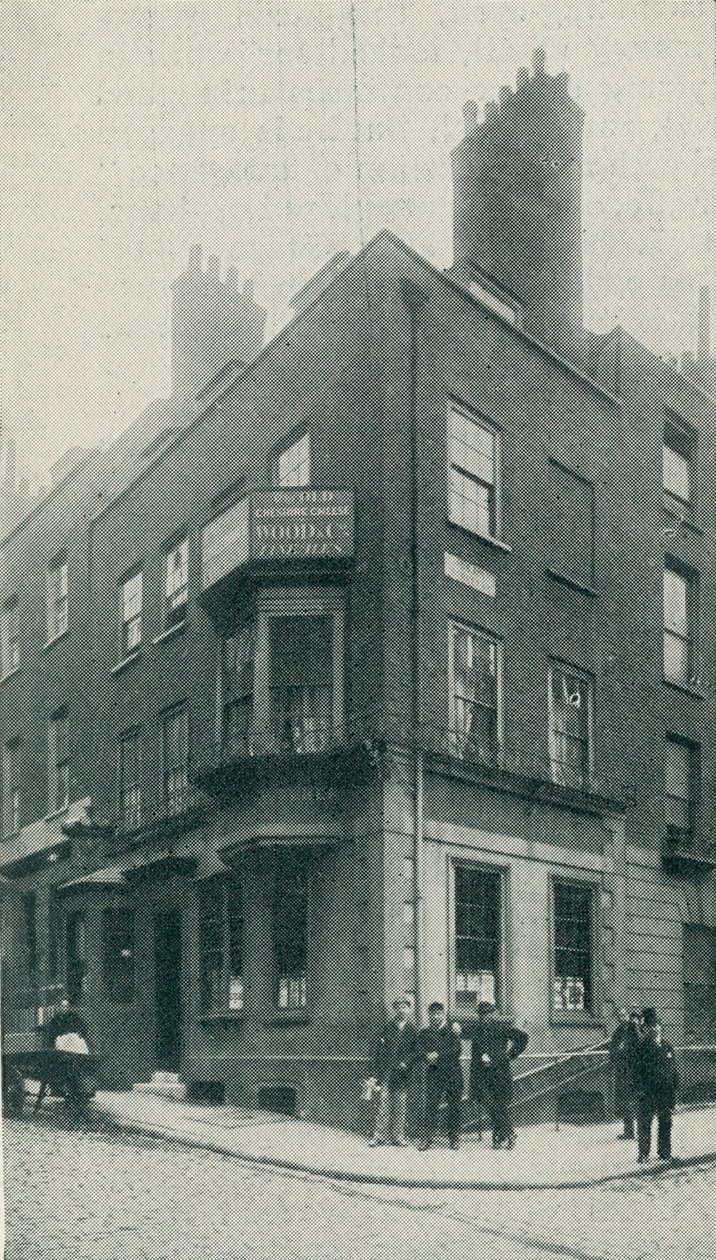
(167, 973)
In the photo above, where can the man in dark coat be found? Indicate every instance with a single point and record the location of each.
(622, 1049)
(394, 1054)
(439, 1047)
(656, 1081)
(495, 1043)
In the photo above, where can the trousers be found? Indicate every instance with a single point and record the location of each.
(392, 1110)
(437, 1087)
(647, 1110)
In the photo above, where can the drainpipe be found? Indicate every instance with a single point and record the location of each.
(416, 300)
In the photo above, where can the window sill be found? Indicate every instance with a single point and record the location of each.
(688, 689)
(126, 661)
(56, 813)
(571, 582)
(683, 513)
(221, 1017)
(10, 673)
(280, 1018)
(484, 538)
(170, 632)
(51, 642)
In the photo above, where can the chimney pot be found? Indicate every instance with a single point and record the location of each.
(539, 59)
(470, 114)
(523, 76)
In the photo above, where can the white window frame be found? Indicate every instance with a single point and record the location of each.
(129, 817)
(9, 638)
(458, 740)
(684, 634)
(175, 779)
(501, 873)
(591, 1013)
(464, 466)
(291, 465)
(131, 601)
(233, 984)
(692, 800)
(176, 581)
(558, 769)
(57, 601)
(677, 466)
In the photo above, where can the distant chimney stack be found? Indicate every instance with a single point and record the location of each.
(517, 182)
(212, 324)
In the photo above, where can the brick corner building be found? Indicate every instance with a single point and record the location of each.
(387, 666)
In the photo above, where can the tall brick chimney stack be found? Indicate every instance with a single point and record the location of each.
(213, 322)
(518, 200)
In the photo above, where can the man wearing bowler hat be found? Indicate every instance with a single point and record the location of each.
(495, 1043)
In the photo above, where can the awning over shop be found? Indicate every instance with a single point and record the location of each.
(111, 877)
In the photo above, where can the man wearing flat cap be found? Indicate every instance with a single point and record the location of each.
(495, 1043)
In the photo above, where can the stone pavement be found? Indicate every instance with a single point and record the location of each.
(574, 1156)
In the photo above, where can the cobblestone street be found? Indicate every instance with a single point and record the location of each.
(104, 1195)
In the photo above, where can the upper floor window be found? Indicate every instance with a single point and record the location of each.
(58, 761)
(290, 929)
(292, 465)
(680, 610)
(679, 461)
(680, 789)
(176, 588)
(475, 692)
(477, 903)
(571, 525)
(9, 637)
(474, 450)
(130, 788)
(221, 933)
(131, 594)
(301, 681)
(176, 760)
(573, 947)
(238, 690)
(570, 725)
(57, 612)
(11, 789)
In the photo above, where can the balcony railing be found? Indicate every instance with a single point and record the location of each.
(305, 750)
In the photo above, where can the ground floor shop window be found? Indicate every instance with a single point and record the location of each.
(572, 934)
(290, 930)
(222, 928)
(118, 939)
(477, 902)
(699, 982)
(76, 956)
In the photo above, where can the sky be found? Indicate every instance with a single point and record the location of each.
(276, 134)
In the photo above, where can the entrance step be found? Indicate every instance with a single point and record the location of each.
(163, 1085)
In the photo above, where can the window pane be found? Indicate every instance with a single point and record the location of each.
(212, 948)
(476, 665)
(572, 948)
(477, 926)
(301, 671)
(176, 760)
(677, 658)
(290, 929)
(472, 504)
(292, 467)
(177, 581)
(569, 736)
(57, 601)
(132, 613)
(676, 602)
(677, 476)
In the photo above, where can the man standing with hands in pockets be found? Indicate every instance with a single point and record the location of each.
(439, 1048)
